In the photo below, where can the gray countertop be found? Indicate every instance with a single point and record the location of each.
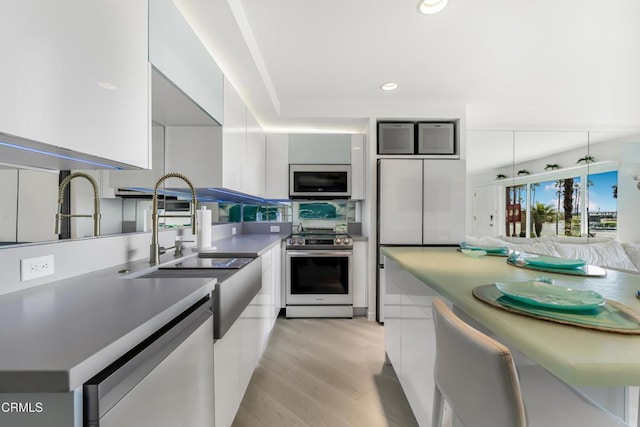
(245, 245)
(56, 336)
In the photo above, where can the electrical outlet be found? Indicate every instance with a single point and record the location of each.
(233, 231)
(33, 268)
(275, 228)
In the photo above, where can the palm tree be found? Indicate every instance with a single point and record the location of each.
(568, 205)
(540, 214)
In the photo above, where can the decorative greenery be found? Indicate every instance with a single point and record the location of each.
(523, 172)
(551, 166)
(540, 214)
(586, 159)
(501, 176)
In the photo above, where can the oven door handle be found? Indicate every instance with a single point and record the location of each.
(320, 253)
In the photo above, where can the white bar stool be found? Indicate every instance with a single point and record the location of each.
(477, 376)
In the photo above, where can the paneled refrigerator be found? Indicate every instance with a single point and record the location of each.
(421, 202)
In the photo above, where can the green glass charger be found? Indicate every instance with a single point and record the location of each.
(586, 270)
(611, 317)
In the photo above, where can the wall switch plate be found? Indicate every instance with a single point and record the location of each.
(274, 228)
(233, 231)
(33, 268)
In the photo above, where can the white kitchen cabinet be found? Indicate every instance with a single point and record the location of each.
(255, 158)
(177, 52)
(278, 280)
(76, 76)
(277, 167)
(243, 147)
(444, 200)
(191, 150)
(145, 178)
(233, 139)
(182, 385)
(237, 353)
(227, 376)
(400, 201)
(421, 201)
(360, 274)
(357, 166)
(316, 148)
(409, 336)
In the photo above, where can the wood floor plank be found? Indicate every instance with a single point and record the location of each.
(325, 372)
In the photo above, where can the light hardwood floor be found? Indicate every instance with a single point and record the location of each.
(324, 372)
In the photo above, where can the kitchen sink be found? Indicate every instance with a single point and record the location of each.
(183, 273)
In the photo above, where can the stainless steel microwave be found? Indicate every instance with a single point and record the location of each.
(319, 181)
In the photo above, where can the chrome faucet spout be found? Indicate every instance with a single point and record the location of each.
(96, 202)
(154, 250)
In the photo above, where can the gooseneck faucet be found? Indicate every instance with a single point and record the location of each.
(154, 250)
(96, 202)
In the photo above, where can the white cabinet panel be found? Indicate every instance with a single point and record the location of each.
(410, 337)
(146, 177)
(319, 148)
(255, 158)
(400, 201)
(177, 52)
(193, 151)
(360, 274)
(277, 166)
(421, 201)
(233, 139)
(75, 75)
(182, 385)
(227, 376)
(444, 201)
(357, 167)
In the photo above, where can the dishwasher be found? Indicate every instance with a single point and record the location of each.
(166, 380)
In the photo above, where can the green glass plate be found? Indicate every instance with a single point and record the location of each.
(553, 262)
(542, 294)
(487, 249)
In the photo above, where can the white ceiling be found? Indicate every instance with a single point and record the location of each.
(508, 64)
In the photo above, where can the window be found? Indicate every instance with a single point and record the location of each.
(568, 206)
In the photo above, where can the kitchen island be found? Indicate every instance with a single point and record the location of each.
(604, 363)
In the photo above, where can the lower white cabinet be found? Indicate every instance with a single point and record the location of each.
(182, 385)
(409, 337)
(237, 353)
(360, 274)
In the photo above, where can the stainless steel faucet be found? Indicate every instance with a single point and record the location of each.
(154, 250)
(96, 202)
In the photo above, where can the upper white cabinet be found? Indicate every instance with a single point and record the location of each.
(310, 148)
(177, 52)
(444, 200)
(255, 158)
(75, 75)
(277, 165)
(193, 151)
(421, 201)
(145, 178)
(357, 167)
(243, 147)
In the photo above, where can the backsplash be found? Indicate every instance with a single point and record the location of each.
(75, 257)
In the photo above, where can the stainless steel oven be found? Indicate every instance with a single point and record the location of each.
(319, 277)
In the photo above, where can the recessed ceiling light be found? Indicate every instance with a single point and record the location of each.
(429, 7)
(389, 86)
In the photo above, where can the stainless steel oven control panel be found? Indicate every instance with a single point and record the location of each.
(340, 241)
